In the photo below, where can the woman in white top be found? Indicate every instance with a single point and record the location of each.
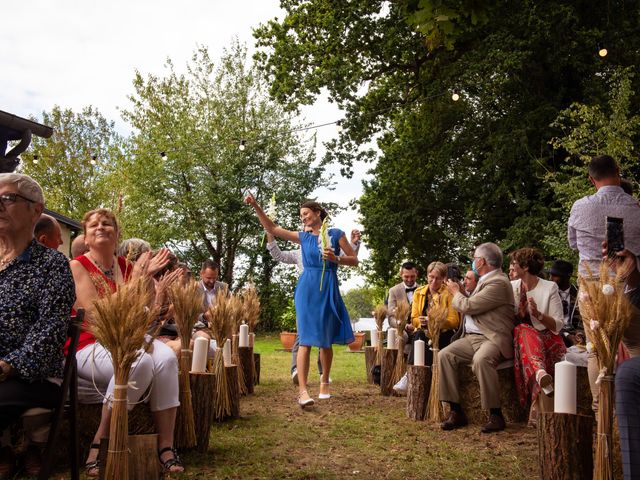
(538, 345)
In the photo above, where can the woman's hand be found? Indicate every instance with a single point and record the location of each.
(164, 284)
(453, 287)
(424, 322)
(533, 310)
(158, 261)
(328, 254)
(250, 200)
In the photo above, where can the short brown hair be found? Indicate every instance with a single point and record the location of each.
(101, 212)
(528, 257)
(316, 207)
(603, 166)
(439, 267)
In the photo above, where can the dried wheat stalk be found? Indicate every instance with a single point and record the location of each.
(220, 326)
(187, 304)
(402, 316)
(251, 307)
(606, 313)
(437, 316)
(379, 314)
(119, 322)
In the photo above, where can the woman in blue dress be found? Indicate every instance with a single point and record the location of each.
(321, 314)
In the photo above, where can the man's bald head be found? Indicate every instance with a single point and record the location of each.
(78, 247)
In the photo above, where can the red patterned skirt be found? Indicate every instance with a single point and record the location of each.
(534, 350)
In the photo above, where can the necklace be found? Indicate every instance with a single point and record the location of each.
(108, 272)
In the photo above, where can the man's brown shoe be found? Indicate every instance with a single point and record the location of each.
(454, 420)
(495, 424)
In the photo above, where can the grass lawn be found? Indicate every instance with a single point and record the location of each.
(357, 434)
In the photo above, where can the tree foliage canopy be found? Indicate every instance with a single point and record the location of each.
(451, 174)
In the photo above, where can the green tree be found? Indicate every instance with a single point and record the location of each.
(202, 140)
(449, 174)
(76, 166)
(361, 301)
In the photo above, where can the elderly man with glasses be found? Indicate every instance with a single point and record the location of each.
(35, 305)
(483, 341)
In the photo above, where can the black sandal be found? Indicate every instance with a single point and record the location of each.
(92, 469)
(170, 462)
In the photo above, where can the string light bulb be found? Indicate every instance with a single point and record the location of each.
(243, 145)
(163, 155)
(602, 51)
(339, 126)
(93, 160)
(35, 159)
(455, 96)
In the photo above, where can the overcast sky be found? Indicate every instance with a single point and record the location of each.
(76, 53)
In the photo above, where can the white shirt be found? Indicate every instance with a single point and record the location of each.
(410, 294)
(545, 294)
(469, 324)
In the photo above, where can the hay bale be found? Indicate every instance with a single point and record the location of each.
(470, 395)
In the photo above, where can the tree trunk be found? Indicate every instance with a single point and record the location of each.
(245, 354)
(386, 372)
(234, 392)
(256, 361)
(418, 391)
(203, 387)
(369, 362)
(565, 446)
(143, 457)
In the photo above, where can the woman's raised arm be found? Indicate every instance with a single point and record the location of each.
(268, 224)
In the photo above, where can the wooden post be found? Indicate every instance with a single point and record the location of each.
(203, 387)
(565, 446)
(143, 457)
(245, 354)
(386, 372)
(369, 362)
(419, 378)
(234, 391)
(256, 361)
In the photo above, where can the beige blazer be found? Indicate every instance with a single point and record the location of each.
(397, 294)
(491, 305)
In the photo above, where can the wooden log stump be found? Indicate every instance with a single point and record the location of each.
(256, 361)
(565, 446)
(143, 457)
(470, 395)
(234, 392)
(419, 379)
(369, 362)
(245, 355)
(203, 387)
(386, 372)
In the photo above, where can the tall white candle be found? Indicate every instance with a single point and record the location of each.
(374, 338)
(392, 343)
(564, 400)
(243, 341)
(418, 353)
(200, 350)
(226, 353)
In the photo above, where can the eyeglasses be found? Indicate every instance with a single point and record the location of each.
(11, 198)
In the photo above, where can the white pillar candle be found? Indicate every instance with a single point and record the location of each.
(374, 338)
(200, 350)
(564, 400)
(392, 344)
(226, 353)
(252, 339)
(418, 353)
(243, 341)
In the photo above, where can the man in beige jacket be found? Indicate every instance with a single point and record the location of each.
(485, 339)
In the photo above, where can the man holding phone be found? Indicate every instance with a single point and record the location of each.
(587, 227)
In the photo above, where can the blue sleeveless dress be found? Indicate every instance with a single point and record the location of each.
(322, 316)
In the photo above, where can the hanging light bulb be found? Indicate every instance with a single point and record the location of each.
(455, 96)
(243, 145)
(93, 160)
(602, 51)
(163, 155)
(339, 126)
(35, 159)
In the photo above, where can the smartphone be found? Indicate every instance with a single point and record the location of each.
(453, 273)
(615, 236)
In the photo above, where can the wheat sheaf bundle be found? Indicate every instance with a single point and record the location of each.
(119, 323)
(438, 312)
(402, 316)
(251, 308)
(379, 314)
(187, 303)
(236, 315)
(606, 313)
(220, 326)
